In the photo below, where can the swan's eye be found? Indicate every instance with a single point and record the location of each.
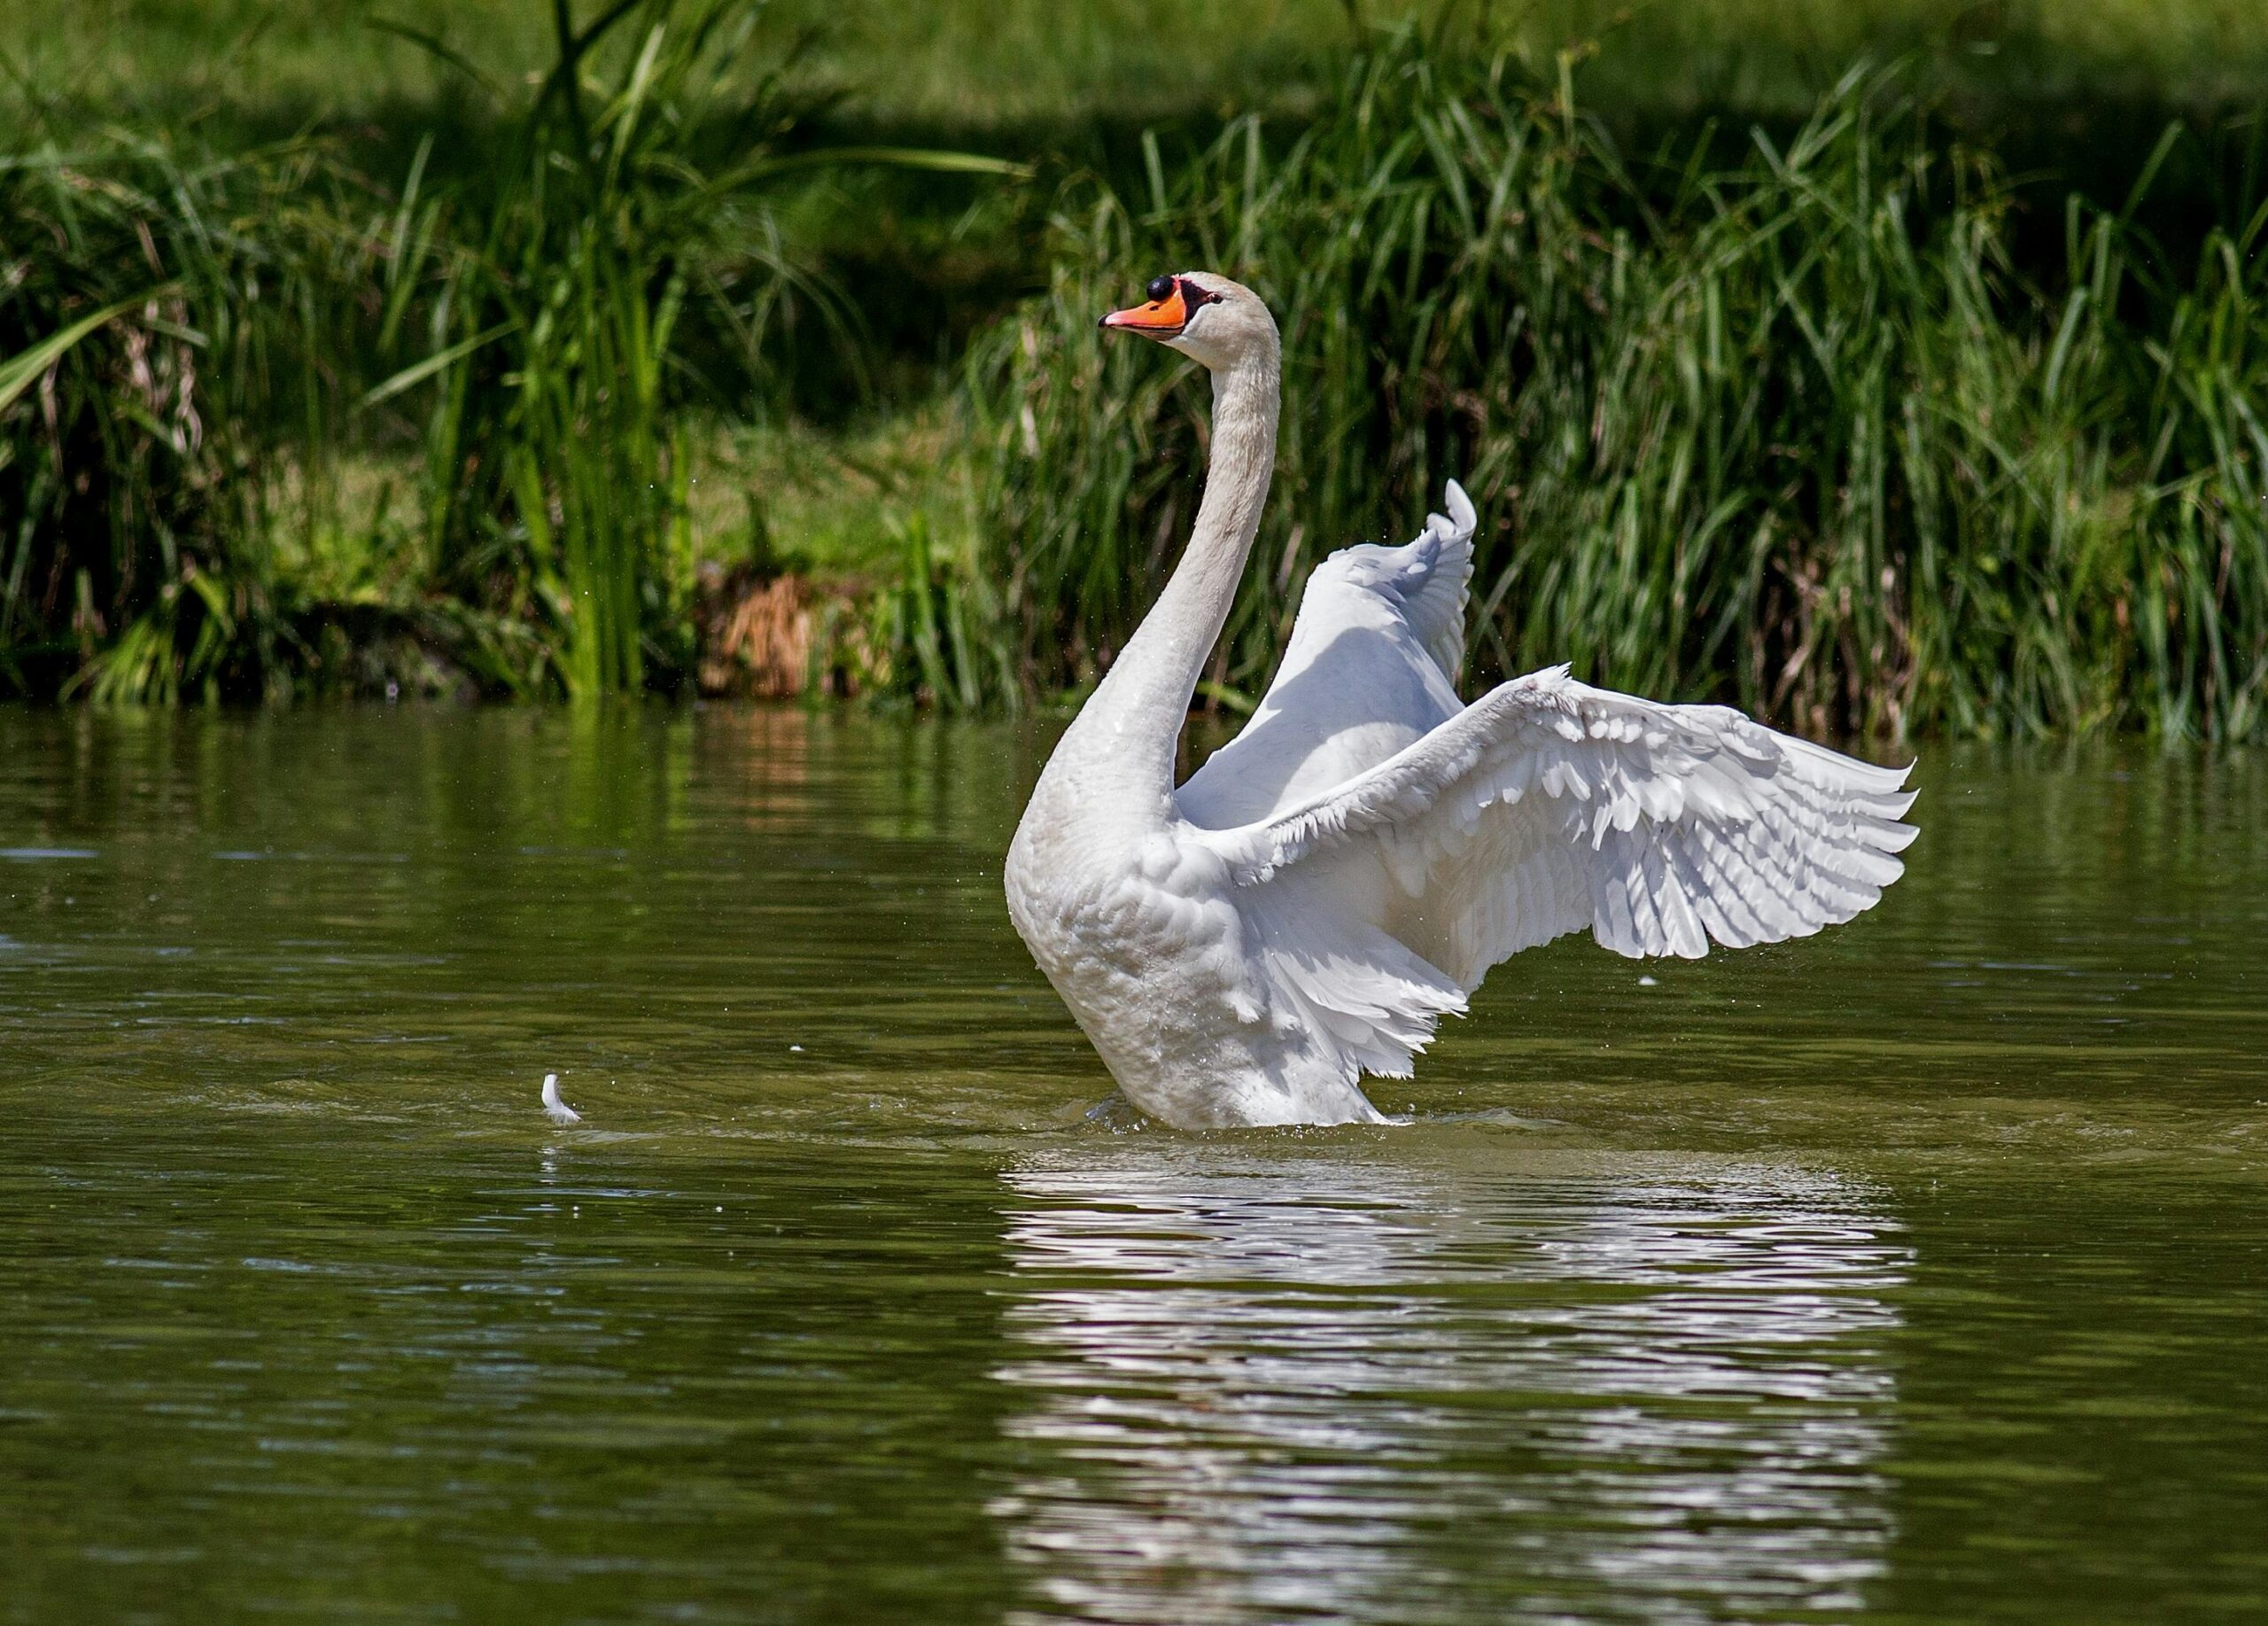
(1161, 289)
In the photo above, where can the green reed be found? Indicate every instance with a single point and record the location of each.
(520, 321)
(152, 298)
(630, 201)
(1782, 426)
(556, 458)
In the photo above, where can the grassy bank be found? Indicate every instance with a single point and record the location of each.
(1017, 66)
(273, 424)
(1785, 425)
(522, 382)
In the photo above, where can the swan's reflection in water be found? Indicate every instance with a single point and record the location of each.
(1266, 1387)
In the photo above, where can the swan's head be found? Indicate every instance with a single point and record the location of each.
(1205, 316)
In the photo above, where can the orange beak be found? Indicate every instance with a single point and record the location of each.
(1159, 318)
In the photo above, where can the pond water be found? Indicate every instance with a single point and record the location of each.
(1916, 1273)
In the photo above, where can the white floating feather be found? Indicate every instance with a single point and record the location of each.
(557, 1111)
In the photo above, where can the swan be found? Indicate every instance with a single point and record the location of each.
(1242, 948)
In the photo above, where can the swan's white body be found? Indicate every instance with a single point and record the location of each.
(1306, 908)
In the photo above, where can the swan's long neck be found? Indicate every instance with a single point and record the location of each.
(1129, 731)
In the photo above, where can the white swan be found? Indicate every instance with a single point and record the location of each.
(1345, 870)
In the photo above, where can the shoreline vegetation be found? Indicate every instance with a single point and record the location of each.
(651, 365)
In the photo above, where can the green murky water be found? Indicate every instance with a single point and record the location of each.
(1918, 1272)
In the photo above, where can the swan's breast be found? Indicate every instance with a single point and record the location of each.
(1139, 907)
(1143, 940)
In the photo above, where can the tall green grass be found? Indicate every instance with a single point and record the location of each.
(154, 309)
(555, 474)
(198, 343)
(1772, 423)
(557, 440)
(1788, 422)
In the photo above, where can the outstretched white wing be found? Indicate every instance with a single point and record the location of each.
(1549, 805)
(1371, 668)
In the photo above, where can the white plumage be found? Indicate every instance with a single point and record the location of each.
(1341, 875)
(557, 1111)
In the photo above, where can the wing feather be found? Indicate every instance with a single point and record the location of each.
(1371, 667)
(1388, 845)
(1549, 806)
